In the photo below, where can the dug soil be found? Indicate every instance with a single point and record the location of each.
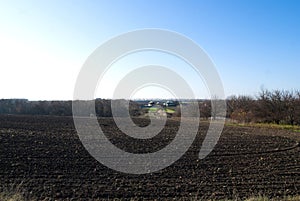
(42, 158)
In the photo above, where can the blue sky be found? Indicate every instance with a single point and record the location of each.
(43, 44)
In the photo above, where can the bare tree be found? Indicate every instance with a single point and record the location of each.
(240, 108)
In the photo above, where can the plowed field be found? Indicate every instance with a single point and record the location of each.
(43, 158)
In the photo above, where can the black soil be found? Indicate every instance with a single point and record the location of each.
(42, 158)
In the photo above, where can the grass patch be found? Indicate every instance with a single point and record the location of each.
(152, 109)
(266, 125)
(258, 198)
(11, 197)
(169, 110)
(263, 198)
(13, 193)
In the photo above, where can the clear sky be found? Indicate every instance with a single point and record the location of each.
(43, 44)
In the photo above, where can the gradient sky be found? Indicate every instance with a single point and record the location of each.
(43, 44)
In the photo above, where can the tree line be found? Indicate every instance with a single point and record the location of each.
(64, 108)
(278, 106)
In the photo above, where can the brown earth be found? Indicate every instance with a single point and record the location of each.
(43, 158)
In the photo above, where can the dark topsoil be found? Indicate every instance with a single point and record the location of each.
(42, 158)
